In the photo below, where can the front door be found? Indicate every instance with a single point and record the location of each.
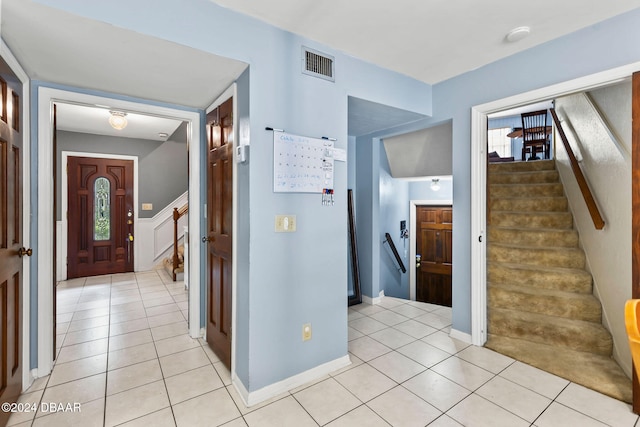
(433, 245)
(219, 229)
(100, 216)
(11, 249)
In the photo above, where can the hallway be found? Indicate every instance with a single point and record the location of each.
(124, 355)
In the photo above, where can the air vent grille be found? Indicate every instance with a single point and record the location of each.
(317, 64)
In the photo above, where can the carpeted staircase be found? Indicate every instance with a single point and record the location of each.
(541, 309)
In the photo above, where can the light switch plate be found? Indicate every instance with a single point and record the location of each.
(285, 223)
(147, 206)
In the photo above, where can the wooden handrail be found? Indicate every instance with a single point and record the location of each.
(177, 214)
(596, 217)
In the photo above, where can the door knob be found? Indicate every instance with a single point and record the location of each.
(22, 252)
(206, 239)
(418, 261)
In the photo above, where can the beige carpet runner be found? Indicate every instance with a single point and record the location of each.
(540, 304)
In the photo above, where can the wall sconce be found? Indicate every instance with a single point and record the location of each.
(435, 184)
(117, 120)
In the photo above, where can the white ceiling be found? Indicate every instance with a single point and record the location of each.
(430, 40)
(55, 46)
(95, 120)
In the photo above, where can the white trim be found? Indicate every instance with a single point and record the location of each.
(12, 62)
(373, 301)
(479, 115)
(46, 97)
(413, 204)
(64, 206)
(275, 389)
(461, 336)
(231, 91)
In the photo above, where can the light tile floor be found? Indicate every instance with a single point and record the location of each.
(125, 356)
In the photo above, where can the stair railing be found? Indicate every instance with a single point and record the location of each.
(177, 214)
(596, 217)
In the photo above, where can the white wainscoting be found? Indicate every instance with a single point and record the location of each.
(155, 235)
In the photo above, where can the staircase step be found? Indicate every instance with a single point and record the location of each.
(539, 256)
(532, 219)
(551, 330)
(521, 166)
(599, 373)
(534, 237)
(529, 204)
(552, 189)
(527, 177)
(561, 279)
(545, 301)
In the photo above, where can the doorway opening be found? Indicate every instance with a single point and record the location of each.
(479, 115)
(47, 97)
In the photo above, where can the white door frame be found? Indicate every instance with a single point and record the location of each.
(46, 97)
(413, 238)
(63, 233)
(479, 115)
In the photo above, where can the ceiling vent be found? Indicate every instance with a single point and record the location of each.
(317, 64)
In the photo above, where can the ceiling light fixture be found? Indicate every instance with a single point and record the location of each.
(435, 184)
(163, 135)
(118, 120)
(517, 34)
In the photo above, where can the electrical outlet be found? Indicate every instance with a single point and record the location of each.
(306, 332)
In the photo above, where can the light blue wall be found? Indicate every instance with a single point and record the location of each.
(597, 48)
(421, 190)
(293, 278)
(394, 207)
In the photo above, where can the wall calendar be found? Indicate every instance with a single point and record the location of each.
(302, 164)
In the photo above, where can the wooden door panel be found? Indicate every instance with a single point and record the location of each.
(89, 252)
(10, 243)
(433, 243)
(219, 129)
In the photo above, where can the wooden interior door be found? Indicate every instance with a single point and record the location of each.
(100, 216)
(433, 244)
(219, 131)
(11, 249)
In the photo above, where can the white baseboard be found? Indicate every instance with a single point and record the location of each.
(373, 301)
(460, 336)
(273, 390)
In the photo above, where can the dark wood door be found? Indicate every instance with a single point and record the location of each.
(100, 216)
(10, 241)
(433, 244)
(219, 229)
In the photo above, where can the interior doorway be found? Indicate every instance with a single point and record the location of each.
(46, 243)
(479, 115)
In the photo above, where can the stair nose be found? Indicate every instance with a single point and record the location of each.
(552, 189)
(529, 204)
(561, 279)
(541, 256)
(563, 220)
(527, 177)
(569, 333)
(533, 237)
(544, 301)
(537, 165)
